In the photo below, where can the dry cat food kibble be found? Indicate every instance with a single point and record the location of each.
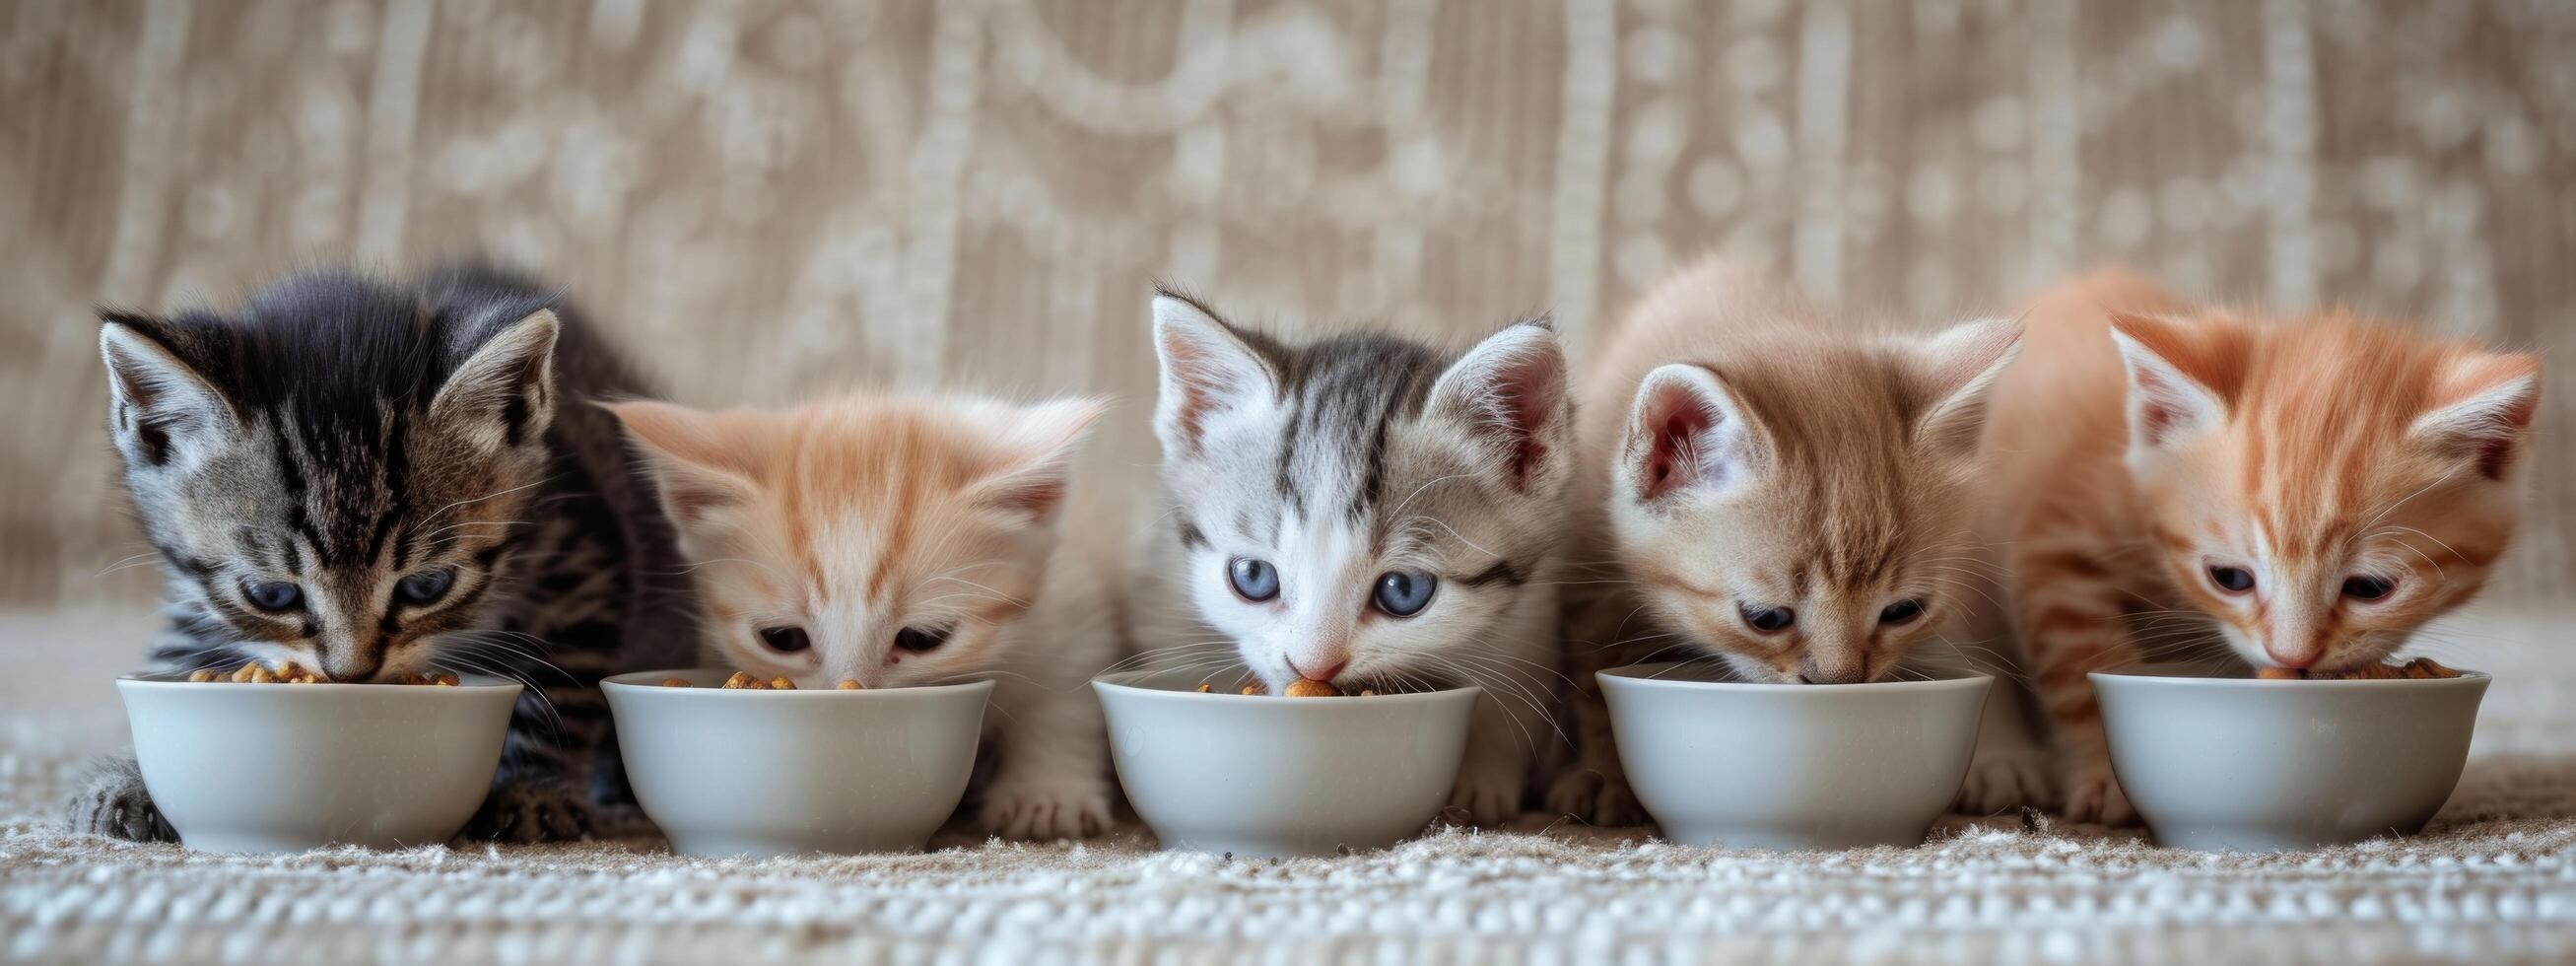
(848, 684)
(743, 681)
(293, 673)
(2419, 669)
(1309, 688)
(1300, 688)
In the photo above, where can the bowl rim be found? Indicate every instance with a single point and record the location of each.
(1122, 682)
(2146, 675)
(157, 680)
(1627, 676)
(650, 682)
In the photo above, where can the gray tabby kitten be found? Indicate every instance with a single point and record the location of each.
(1367, 512)
(372, 479)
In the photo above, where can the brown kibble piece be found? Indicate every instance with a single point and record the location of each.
(1205, 687)
(260, 674)
(292, 671)
(1252, 689)
(675, 682)
(241, 675)
(742, 679)
(848, 684)
(201, 675)
(1309, 688)
(781, 684)
(2279, 673)
(447, 680)
(2425, 667)
(1368, 692)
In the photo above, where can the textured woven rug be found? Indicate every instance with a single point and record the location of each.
(2493, 880)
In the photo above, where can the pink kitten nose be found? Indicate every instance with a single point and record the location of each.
(2293, 661)
(1322, 675)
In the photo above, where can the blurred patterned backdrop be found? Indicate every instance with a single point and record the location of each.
(766, 199)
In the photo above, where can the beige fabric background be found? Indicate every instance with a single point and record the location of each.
(768, 199)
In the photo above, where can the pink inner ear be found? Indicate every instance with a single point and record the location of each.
(1524, 410)
(2157, 416)
(1201, 383)
(1675, 420)
(1037, 496)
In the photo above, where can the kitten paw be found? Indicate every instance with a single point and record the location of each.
(2093, 795)
(1487, 797)
(1591, 796)
(1045, 809)
(2002, 781)
(538, 811)
(109, 799)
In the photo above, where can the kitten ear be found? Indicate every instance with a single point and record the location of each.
(700, 465)
(1686, 430)
(504, 393)
(159, 404)
(1036, 446)
(2175, 380)
(1510, 392)
(2482, 405)
(1211, 372)
(1956, 370)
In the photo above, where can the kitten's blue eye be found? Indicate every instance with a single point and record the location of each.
(785, 639)
(1404, 595)
(1767, 619)
(273, 595)
(425, 587)
(2368, 588)
(2234, 580)
(1900, 612)
(919, 639)
(1255, 580)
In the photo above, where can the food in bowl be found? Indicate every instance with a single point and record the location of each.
(293, 673)
(2419, 669)
(339, 764)
(1792, 766)
(787, 772)
(1275, 776)
(1300, 688)
(2245, 764)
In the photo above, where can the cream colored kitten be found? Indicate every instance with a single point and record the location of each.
(1767, 495)
(904, 541)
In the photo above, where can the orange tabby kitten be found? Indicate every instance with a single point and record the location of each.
(2316, 486)
(903, 541)
(1772, 496)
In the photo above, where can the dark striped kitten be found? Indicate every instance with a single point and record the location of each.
(373, 479)
(1367, 512)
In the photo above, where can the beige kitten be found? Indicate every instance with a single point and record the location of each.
(1767, 495)
(904, 541)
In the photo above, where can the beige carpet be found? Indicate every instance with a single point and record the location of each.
(2493, 881)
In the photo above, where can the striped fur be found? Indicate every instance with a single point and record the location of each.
(340, 433)
(1738, 458)
(2145, 442)
(860, 520)
(1339, 462)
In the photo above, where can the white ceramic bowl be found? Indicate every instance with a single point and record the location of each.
(289, 767)
(2236, 764)
(1792, 766)
(1264, 777)
(767, 773)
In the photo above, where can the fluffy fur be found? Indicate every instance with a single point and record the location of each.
(904, 541)
(2144, 446)
(1746, 466)
(397, 456)
(1342, 464)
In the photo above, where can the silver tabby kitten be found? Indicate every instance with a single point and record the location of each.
(372, 479)
(1367, 512)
